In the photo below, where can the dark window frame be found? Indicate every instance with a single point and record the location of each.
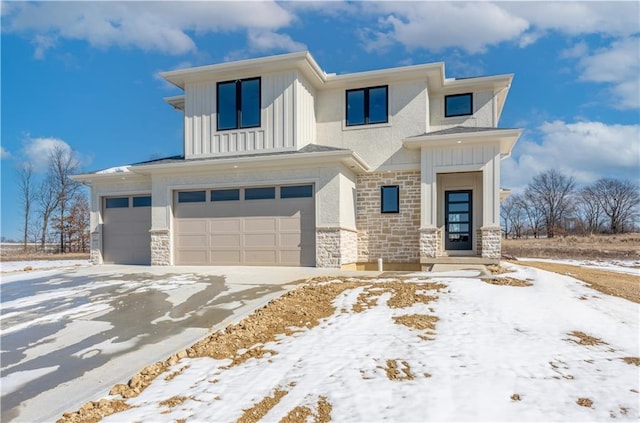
(366, 105)
(303, 191)
(192, 200)
(396, 208)
(224, 194)
(446, 105)
(115, 203)
(256, 190)
(142, 201)
(238, 94)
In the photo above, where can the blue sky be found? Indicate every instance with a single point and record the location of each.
(83, 75)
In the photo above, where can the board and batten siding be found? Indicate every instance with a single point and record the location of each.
(287, 118)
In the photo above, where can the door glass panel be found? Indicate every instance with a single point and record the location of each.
(459, 196)
(458, 217)
(459, 207)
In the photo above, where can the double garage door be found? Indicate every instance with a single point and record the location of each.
(125, 229)
(270, 225)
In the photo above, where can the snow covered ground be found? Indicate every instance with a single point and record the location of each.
(16, 266)
(552, 351)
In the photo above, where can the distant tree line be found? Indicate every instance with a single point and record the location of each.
(55, 209)
(553, 205)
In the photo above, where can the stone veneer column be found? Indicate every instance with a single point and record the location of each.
(335, 247)
(429, 242)
(160, 247)
(95, 255)
(491, 242)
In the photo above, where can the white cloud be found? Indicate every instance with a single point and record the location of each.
(437, 25)
(619, 65)
(584, 150)
(156, 26)
(263, 41)
(4, 154)
(37, 150)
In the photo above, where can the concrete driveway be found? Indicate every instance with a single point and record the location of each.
(69, 335)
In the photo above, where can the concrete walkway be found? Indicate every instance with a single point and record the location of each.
(69, 335)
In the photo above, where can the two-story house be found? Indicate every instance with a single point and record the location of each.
(285, 164)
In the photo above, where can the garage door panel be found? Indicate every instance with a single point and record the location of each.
(191, 256)
(250, 232)
(125, 234)
(192, 226)
(191, 241)
(221, 241)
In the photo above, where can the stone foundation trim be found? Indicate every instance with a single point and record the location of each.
(160, 247)
(95, 253)
(429, 242)
(491, 242)
(336, 246)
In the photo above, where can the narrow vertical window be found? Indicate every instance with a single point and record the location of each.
(390, 199)
(238, 104)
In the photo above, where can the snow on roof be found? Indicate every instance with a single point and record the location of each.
(116, 169)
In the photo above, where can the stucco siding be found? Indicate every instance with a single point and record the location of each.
(379, 145)
(483, 112)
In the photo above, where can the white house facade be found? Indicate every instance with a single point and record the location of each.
(287, 165)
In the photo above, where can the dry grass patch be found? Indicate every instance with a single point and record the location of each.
(259, 410)
(623, 247)
(584, 402)
(584, 339)
(173, 401)
(632, 360)
(506, 281)
(94, 411)
(496, 269)
(403, 294)
(302, 414)
(420, 322)
(621, 285)
(395, 372)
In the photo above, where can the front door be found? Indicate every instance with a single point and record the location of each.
(457, 220)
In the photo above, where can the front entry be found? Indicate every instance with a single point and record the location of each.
(457, 220)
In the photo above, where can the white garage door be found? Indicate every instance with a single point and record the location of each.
(125, 230)
(268, 226)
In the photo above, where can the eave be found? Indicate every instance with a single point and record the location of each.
(506, 137)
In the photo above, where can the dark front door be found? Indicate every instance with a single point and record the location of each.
(457, 221)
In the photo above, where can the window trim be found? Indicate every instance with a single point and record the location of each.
(394, 210)
(238, 94)
(446, 108)
(366, 106)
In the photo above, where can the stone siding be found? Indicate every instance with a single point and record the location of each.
(95, 254)
(160, 248)
(335, 247)
(393, 237)
(491, 243)
(430, 243)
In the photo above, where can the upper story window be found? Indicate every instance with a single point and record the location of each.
(366, 106)
(458, 105)
(238, 104)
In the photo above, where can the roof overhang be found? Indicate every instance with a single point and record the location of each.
(177, 102)
(116, 176)
(303, 61)
(506, 137)
(504, 194)
(236, 163)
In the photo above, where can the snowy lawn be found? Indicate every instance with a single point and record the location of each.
(27, 265)
(450, 348)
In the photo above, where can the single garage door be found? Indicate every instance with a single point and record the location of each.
(125, 230)
(263, 226)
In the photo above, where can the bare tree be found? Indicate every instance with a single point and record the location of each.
(28, 196)
(619, 200)
(550, 191)
(511, 212)
(62, 165)
(47, 204)
(589, 210)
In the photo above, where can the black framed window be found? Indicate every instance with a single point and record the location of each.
(225, 195)
(265, 193)
(367, 106)
(458, 105)
(117, 202)
(192, 196)
(142, 201)
(238, 104)
(296, 191)
(390, 199)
